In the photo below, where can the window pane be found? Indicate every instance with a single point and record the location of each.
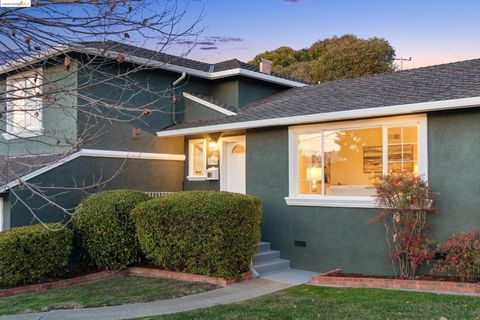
(198, 158)
(310, 163)
(403, 150)
(353, 160)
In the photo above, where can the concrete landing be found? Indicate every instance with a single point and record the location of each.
(290, 276)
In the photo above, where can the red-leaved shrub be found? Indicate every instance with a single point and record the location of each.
(462, 256)
(404, 201)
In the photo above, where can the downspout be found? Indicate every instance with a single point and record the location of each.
(184, 74)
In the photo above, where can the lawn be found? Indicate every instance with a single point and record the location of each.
(310, 302)
(114, 291)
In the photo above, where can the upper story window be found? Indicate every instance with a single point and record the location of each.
(197, 159)
(337, 164)
(24, 105)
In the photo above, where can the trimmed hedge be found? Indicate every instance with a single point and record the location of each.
(204, 232)
(33, 253)
(105, 231)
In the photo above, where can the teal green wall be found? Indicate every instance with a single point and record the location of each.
(196, 111)
(145, 175)
(251, 90)
(226, 90)
(59, 118)
(336, 237)
(342, 237)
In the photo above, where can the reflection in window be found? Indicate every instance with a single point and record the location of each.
(348, 162)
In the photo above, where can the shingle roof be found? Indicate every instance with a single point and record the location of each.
(215, 101)
(13, 168)
(435, 83)
(178, 61)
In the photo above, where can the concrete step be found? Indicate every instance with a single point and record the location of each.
(263, 246)
(264, 256)
(271, 266)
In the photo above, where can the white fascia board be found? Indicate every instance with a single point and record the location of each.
(331, 116)
(209, 104)
(37, 57)
(148, 62)
(97, 154)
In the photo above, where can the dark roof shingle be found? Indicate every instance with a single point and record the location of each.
(435, 83)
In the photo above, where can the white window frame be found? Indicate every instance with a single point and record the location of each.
(10, 133)
(191, 176)
(295, 199)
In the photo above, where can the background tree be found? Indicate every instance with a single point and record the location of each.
(334, 58)
(84, 40)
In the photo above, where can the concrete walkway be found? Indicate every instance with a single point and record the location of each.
(231, 294)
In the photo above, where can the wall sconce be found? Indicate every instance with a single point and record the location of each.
(314, 174)
(212, 146)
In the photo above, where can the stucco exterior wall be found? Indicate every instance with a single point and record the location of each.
(145, 175)
(343, 237)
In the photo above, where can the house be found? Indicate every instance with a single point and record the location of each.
(310, 153)
(60, 142)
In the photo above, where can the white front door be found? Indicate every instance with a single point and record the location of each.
(234, 165)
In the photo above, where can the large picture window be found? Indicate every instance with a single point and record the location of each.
(337, 164)
(24, 105)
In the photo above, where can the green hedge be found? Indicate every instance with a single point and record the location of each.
(203, 232)
(33, 253)
(104, 229)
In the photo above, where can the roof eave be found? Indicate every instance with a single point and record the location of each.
(55, 51)
(330, 116)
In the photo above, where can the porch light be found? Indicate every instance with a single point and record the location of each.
(212, 145)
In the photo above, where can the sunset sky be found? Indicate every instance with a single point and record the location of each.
(431, 32)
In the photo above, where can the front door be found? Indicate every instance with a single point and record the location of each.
(234, 160)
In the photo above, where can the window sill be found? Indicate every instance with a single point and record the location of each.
(331, 201)
(196, 178)
(23, 134)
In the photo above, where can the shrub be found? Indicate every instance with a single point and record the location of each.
(462, 256)
(204, 232)
(105, 231)
(404, 201)
(33, 253)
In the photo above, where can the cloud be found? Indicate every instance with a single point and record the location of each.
(223, 39)
(293, 1)
(209, 48)
(210, 41)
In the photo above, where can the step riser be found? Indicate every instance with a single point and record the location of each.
(263, 258)
(272, 267)
(264, 246)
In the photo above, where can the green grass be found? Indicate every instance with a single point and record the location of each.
(310, 302)
(114, 291)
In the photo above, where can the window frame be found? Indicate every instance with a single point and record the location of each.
(295, 199)
(10, 132)
(191, 176)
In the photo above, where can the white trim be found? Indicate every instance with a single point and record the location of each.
(295, 199)
(332, 116)
(209, 104)
(331, 201)
(196, 178)
(96, 154)
(12, 66)
(223, 168)
(191, 176)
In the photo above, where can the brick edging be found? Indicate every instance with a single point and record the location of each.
(183, 276)
(417, 285)
(138, 271)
